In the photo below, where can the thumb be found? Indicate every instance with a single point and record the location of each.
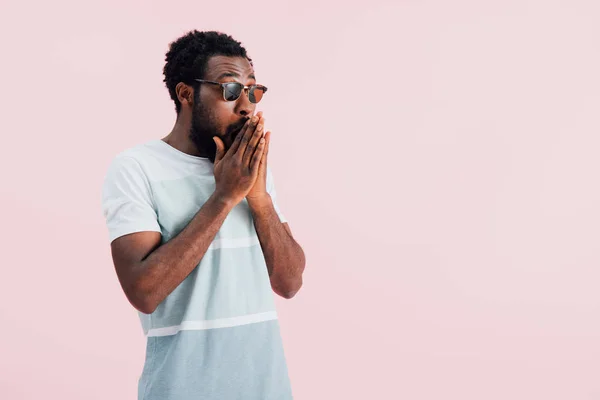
(220, 149)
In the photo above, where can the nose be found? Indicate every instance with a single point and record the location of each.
(243, 106)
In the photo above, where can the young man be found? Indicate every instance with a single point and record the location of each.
(197, 239)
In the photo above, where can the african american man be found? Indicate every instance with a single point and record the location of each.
(197, 239)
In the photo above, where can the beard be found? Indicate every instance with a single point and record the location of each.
(204, 127)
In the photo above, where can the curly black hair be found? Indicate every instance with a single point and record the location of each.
(187, 58)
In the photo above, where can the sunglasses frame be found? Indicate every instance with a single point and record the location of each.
(244, 88)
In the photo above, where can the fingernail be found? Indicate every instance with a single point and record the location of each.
(259, 127)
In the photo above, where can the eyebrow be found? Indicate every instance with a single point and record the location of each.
(234, 75)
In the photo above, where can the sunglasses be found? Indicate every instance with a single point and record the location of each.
(233, 90)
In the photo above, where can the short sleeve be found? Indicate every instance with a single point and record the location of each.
(127, 199)
(272, 192)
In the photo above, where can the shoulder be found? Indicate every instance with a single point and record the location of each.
(127, 171)
(133, 160)
(138, 153)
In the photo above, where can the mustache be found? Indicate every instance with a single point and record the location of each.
(237, 127)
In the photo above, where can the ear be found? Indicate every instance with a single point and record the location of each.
(185, 94)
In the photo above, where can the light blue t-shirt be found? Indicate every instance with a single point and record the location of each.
(216, 336)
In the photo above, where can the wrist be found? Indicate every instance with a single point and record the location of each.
(224, 200)
(258, 201)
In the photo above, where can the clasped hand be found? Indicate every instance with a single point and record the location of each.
(241, 171)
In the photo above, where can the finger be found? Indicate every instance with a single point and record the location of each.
(267, 144)
(238, 138)
(258, 133)
(263, 160)
(245, 138)
(220, 149)
(257, 157)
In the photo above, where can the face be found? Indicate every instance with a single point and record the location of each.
(211, 114)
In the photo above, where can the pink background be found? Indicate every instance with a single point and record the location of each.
(437, 160)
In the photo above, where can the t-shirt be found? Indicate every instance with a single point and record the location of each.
(216, 336)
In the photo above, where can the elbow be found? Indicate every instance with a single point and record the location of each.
(288, 286)
(141, 290)
(289, 295)
(295, 288)
(145, 307)
(141, 301)
(288, 289)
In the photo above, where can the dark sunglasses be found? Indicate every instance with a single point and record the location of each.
(233, 90)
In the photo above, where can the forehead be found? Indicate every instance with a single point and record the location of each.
(219, 66)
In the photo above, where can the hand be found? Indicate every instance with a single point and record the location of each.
(259, 190)
(237, 169)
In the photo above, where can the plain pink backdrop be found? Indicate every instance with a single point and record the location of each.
(437, 160)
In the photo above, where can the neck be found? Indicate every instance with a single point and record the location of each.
(179, 137)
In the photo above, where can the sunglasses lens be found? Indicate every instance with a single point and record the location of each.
(256, 93)
(232, 91)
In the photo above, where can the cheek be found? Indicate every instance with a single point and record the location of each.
(215, 106)
(216, 118)
(224, 115)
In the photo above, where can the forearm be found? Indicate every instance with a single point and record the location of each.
(167, 266)
(283, 255)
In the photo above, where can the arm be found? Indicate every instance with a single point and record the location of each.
(284, 257)
(149, 272)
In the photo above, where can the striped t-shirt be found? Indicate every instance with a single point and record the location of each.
(216, 336)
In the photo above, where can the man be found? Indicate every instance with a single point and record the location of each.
(197, 239)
